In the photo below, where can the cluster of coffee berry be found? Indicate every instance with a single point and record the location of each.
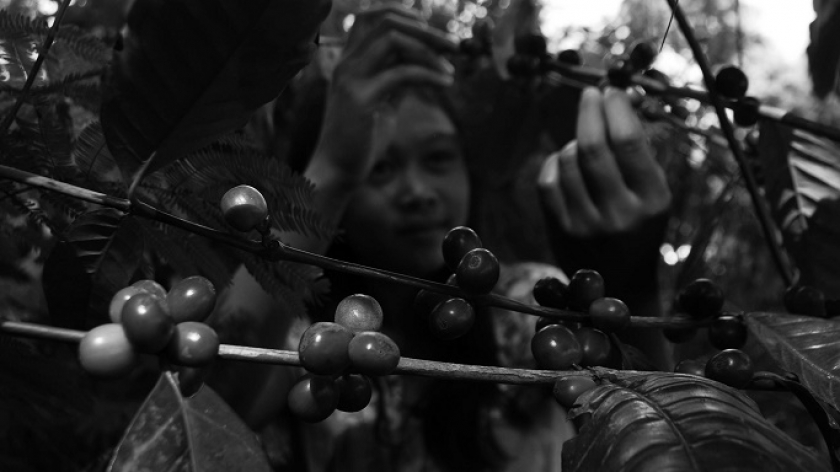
(339, 358)
(476, 272)
(244, 208)
(149, 320)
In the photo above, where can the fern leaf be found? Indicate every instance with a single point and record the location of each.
(265, 273)
(94, 163)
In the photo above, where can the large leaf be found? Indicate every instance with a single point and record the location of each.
(197, 434)
(191, 70)
(804, 345)
(674, 422)
(803, 187)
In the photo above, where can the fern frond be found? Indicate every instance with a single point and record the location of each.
(265, 273)
(95, 166)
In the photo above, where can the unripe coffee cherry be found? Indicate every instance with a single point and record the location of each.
(359, 312)
(106, 352)
(244, 207)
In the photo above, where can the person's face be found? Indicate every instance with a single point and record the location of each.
(417, 190)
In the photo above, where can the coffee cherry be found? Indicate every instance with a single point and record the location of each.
(570, 57)
(555, 347)
(354, 392)
(373, 353)
(620, 75)
(478, 271)
(701, 298)
(642, 55)
(191, 379)
(679, 335)
(609, 314)
(728, 332)
(118, 301)
(105, 351)
(551, 292)
(194, 344)
(191, 299)
(323, 348)
(359, 313)
(313, 398)
(567, 390)
(452, 318)
(731, 82)
(745, 112)
(244, 207)
(657, 75)
(150, 286)
(585, 287)
(691, 367)
(147, 324)
(731, 367)
(457, 243)
(805, 300)
(595, 346)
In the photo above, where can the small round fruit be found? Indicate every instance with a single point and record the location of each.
(152, 287)
(478, 271)
(355, 392)
(570, 57)
(595, 346)
(452, 319)
(373, 353)
(609, 314)
(805, 300)
(746, 111)
(244, 207)
(194, 344)
(323, 348)
(679, 335)
(691, 367)
(642, 55)
(119, 299)
(731, 367)
(191, 299)
(313, 398)
(731, 82)
(457, 243)
(728, 332)
(552, 293)
(147, 324)
(105, 351)
(701, 298)
(359, 313)
(555, 347)
(191, 379)
(567, 390)
(585, 287)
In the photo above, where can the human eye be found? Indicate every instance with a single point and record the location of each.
(442, 159)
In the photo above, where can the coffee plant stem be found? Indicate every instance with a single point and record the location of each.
(729, 133)
(276, 250)
(36, 67)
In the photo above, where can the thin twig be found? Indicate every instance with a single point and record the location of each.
(33, 74)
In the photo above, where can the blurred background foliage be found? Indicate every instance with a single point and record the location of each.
(713, 231)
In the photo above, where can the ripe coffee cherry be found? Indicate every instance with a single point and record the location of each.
(642, 55)
(692, 367)
(191, 299)
(570, 57)
(679, 335)
(595, 346)
(555, 347)
(147, 324)
(609, 314)
(152, 287)
(105, 351)
(478, 271)
(567, 390)
(731, 82)
(359, 313)
(354, 392)
(118, 301)
(373, 353)
(728, 332)
(731, 367)
(191, 379)
(745, 112)
(194, 344)
(701, 298)
(313, 398)
(805, 300)
(551, 292)
(452, 318)
(457, 243)
(585, 287)
(323, 348)
(244, 207)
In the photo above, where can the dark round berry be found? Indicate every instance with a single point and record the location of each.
(731, 82)
(642, 55)
(373, 353)
(323, 348)
(478, 271)
(552, 293)
(595, 346)
(452, 319)
(691, 367)
(745, 112)
(728, 332)
(354, 392)
(244, 207)
(805, 300)
(658, 76)
(555, 347)
(359, 312)
(567, 390)
(194, 344)
(701, 298)
(313, 398)
(148, 326)
(610, 314)
(731, 367)
(585, 287)
(457, 243)
(191, 299)
(620, 75)
(570, 57)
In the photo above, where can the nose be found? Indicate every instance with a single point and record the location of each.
(416, 190)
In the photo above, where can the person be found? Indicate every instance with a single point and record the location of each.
(390, 175)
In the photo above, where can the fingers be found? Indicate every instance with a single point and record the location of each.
(375, 24)
(396, 48)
